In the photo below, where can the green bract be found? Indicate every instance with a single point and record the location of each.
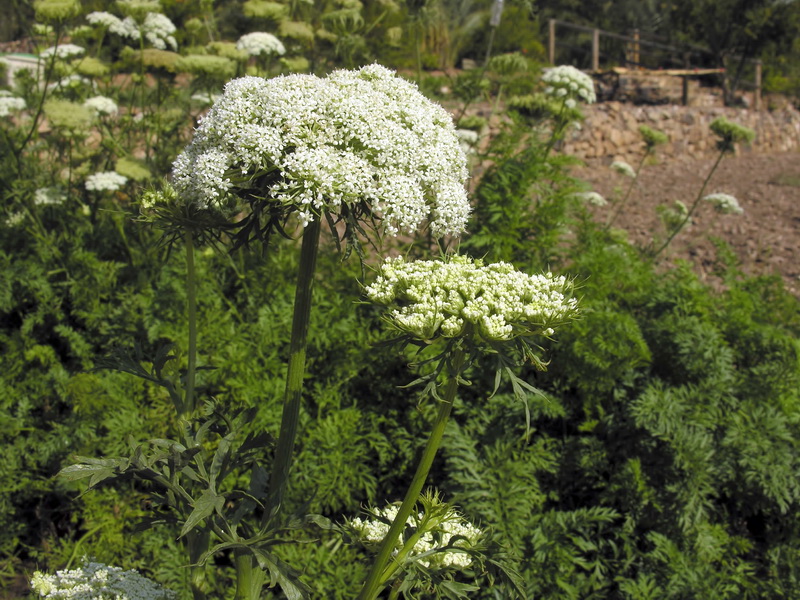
(466, 297)
(652, 137)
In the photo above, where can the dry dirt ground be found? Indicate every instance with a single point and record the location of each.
(766, 238)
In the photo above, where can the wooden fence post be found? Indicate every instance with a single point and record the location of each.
(637, 59)
(551, 42)
(596, 50)
(757, 90)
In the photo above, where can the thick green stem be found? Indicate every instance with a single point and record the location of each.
(191, 309)
(297, 366)
(380, 572)
(249, 578)
(676, 230)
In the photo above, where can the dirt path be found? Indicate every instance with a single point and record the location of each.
(766, 238)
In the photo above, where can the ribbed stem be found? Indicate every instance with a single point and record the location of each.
(699, 197)
(249, 577)
(296, 369)
(380, 573)
(191, 309)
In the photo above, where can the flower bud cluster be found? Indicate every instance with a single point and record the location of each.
(354, 136)
(724, 203)
(96, 581)
(259, 42)
(730, 132)
(436, 528)
(446, 298)
(566, 81)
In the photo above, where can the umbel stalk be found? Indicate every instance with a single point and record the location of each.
(381, 570)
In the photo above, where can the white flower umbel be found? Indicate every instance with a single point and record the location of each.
(435, 526)
(592, 198)
(108, 181)
(260, 43)
(9, 104)
(156, 28)
(103, 19)
(495, 301)
(355, 136)
(623, 168)
(102, 105)
(96, 581)
(566, 81)
(48, 195)
(724, 203)
(64, 51)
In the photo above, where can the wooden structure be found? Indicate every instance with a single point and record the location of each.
(634, 46)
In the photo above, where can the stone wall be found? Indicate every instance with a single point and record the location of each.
(611, 130)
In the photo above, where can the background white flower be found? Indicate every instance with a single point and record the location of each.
(63, 51)
(724, 203)
(567, 81)
(259, 42)
(9, 103)
(102, 105)
(440, 527)
(96, 581)
(108, 181)
(623, 168)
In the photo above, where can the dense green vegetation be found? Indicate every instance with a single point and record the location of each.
(658, 460)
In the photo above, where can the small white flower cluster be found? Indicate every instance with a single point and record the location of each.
(592, 198)
(469, 139)
(156, 28)
(438, 530)
(363, 135)
(102, 105)
(259, 42)
(445, 298)
(9, 103)
(623, 168)
(64, 51)
(724, 203)
(102, 19)
(566, 81)
(96, 581)
(48, 195)
(108, 181)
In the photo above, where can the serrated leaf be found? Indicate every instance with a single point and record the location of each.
(204, 506)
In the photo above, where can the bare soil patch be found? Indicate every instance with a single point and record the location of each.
(766, 238)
